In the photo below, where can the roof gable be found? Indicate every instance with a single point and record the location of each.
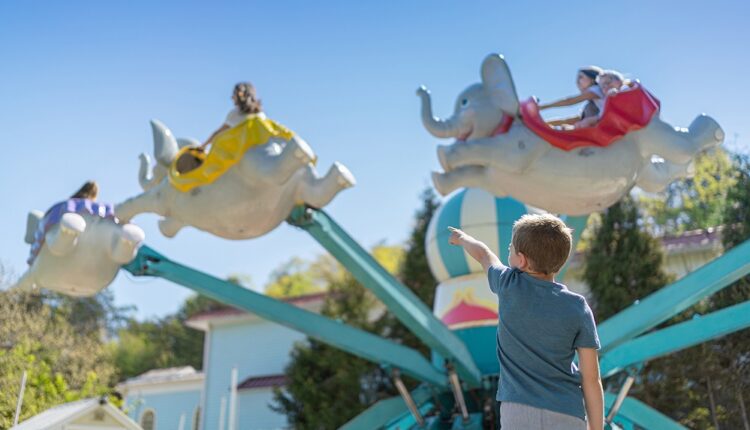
(83, 412)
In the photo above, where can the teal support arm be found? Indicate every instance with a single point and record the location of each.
(386, 411)
(407, 421)
(675, 298)
(642, 415)
(398, 299)
(358, 342)
(679, 336)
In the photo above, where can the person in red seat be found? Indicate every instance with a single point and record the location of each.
(591, 93)
(610, 82)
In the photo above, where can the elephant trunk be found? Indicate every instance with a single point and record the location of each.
(62, 238)
(147, 177)
(126, 243)
(436, 126)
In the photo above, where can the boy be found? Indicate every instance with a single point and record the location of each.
(541, 326)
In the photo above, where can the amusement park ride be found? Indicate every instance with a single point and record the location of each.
(503, 155)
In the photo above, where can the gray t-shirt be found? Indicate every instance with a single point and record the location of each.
(540, 326)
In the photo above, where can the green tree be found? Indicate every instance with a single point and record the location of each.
(624, 262)
(292, 279)
(705, 386)
(196, 304)
(62, 364)
(164, 342)
(167, 342)
(324, 384)
(135, 351)
(326, 387)
(732, 380)
(414, 272)
(96, 315)
(692, 203)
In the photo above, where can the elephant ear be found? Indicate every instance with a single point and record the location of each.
(165, 144)
(32, 224)
(498, 82)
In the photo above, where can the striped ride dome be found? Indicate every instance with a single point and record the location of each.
(478, 213)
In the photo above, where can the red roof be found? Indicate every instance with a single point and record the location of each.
(467, 312)
(703, 237)
(265, 381)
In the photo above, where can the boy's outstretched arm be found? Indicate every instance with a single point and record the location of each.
(478, 250)
(593, 395)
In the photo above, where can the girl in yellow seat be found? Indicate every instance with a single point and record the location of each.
(245, 127)
(246, 103)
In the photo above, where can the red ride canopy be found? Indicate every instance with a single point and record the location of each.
(626, 111)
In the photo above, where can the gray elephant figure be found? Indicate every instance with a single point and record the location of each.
(521, 164)
(249, 200)
(80, 254)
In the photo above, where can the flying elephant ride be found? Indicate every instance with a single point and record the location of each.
(505, 147)
(246, 185)
(258, 174)
(510, 162)
(77, 247)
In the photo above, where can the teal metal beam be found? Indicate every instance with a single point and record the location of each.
(358, 342)
(386, 411)
(407, 421)
(397, 298)
(679, 336)
(676, 297)
(641, 414)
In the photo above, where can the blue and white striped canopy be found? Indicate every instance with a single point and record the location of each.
(478, 213)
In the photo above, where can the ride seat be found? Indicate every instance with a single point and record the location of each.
(625, 111)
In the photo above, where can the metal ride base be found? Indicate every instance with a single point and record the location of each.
(464, 399)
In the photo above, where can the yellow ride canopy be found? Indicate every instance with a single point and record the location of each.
(226, 150)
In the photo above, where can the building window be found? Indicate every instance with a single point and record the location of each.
(197, 418)
(148, 420)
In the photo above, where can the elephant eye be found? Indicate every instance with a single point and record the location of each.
(464, 102)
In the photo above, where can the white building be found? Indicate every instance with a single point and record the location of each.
(258, 349)
(88, 414)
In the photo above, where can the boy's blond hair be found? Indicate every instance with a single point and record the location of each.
(545, 241)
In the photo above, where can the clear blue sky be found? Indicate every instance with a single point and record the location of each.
(80, 80)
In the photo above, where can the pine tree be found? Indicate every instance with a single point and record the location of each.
(326, 387)
(692, 203)
(61, 364)
(715, 375)
(415, 273)
(731, 351)
(164, 342)
(623, 263)
(703, 386)
(97, 315)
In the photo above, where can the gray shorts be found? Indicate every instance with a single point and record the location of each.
(516, 416)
